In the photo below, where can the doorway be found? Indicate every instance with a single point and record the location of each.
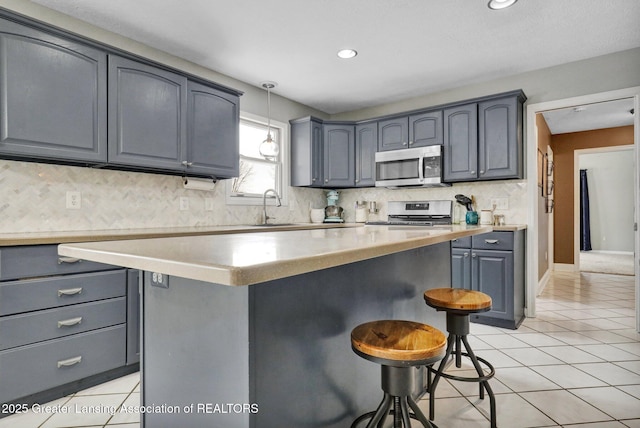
(609, 173)
(533, 278)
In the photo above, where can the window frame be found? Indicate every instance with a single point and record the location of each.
(283, 173)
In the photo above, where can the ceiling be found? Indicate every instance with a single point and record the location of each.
(406, 48)
(608, 114)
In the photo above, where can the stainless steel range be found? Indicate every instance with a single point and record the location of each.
(417, 213)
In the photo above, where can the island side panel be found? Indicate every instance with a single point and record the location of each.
(195, 352)
(303, 371)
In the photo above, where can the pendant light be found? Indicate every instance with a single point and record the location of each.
(269, 149)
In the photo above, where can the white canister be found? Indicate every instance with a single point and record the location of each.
(317, 215)
(486, 217)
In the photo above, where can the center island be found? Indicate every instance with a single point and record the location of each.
(252, 330)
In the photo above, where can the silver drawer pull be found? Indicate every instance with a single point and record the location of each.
(68, 260)
(491, 241)
(69, 291)
(70, 362)
(70, 322)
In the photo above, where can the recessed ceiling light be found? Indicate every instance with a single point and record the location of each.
(500, 4)
(347, 53)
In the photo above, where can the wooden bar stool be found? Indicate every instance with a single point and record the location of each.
(459, 304)
(399, 347)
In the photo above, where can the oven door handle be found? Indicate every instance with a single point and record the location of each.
(421, 168)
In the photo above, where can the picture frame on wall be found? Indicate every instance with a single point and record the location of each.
(541, 171)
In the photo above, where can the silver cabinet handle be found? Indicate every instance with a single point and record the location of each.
(68, 260)
(70, 362)
(474, 255)
(472, 172)
(411, 143)
(481, 172)
(491, 241)
(187, 164)
(466, 254)
(69, 291)
(404, 143)
(70, 322)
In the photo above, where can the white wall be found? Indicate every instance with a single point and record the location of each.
(610, 178)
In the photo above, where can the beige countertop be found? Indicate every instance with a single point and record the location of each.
(251, 258)
(61, 237)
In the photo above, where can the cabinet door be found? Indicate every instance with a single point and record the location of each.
(461, 268)
(426, 129)
(492, 274)
(212, 134)
(53, 96)
(461, 143)
(339, 156)
(366, 146)
(499, 145)
(393, 134)
(147, 109)
(306, 153)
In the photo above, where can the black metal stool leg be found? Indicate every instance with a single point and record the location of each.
(434, 383)
(485, 384)
(418, 413)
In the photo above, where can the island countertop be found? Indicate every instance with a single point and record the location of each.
(251, 258)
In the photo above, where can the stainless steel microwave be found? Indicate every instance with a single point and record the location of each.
(417, 167)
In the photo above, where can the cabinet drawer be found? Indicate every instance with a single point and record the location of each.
(34, 368)
(33, 327)
(31, 261)
(493, 241)
(51, 292)
(461, 242)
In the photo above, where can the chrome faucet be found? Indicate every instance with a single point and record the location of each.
(264, 204)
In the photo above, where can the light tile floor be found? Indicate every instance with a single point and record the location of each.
(577, 364)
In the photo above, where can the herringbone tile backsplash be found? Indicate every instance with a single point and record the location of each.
(33, 199)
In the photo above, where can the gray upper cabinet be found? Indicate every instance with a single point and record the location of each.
(339, 155)
(425, 129)
(212, 133)
(147, 116)
(483, 140)
(366, 146)
(416, 130)
(53, 96)
(500, 138)
(393, 134)
(306, 152)
(461, 143)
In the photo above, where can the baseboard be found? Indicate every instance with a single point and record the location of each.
(564, 267)
(543, 282)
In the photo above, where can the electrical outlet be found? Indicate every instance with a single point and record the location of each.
(500, 203)
(208, 204)
(74, 200)
(184, 203)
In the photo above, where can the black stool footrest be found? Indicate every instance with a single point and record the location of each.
(391, 412)
(484, 378)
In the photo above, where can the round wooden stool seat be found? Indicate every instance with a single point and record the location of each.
(398, 342)
(458, 300)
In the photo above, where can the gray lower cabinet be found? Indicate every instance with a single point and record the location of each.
(147, 120)
(53, 98)
(65, 324)
(493, 263)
